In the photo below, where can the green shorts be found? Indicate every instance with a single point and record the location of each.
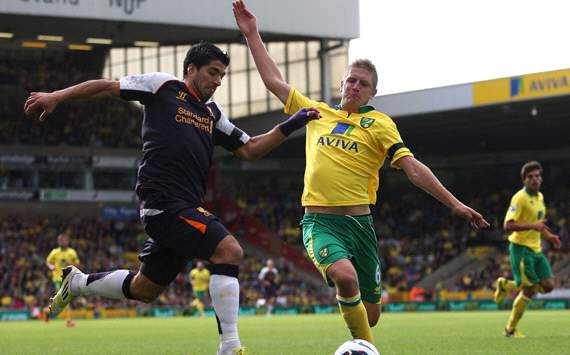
(57, 284)
(329, 238)
(200, 295)
(529, 268)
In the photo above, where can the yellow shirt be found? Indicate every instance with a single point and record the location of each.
(61, 258)
(526, 209)
(344, 153)
(200, 279)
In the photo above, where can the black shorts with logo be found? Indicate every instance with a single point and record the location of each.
(177, 234)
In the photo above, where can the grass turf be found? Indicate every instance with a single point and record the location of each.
(398, 333)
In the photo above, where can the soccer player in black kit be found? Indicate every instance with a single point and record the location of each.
(180, 128)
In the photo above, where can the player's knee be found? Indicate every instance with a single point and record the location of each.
(233, 253)
(345, 281)
(228, 252)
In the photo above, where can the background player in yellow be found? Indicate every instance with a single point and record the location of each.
(57, 259)
(199, 278)
(344, 151)
(526, 218)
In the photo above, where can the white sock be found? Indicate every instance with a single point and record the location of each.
(224, 291)
(105, 284)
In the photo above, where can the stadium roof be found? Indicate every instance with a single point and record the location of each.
(175, 21)
(527, 113)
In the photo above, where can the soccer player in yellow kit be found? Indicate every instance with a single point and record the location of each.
(345, 149)
(526, 219)
(200, 279)
(57, 259)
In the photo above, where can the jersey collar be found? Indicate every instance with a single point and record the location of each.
(361, 109)
(193, 92)
(530, 193)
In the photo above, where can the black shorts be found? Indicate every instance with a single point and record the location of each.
(270, 291)
(176, 238)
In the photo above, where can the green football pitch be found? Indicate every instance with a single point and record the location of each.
(548, 332)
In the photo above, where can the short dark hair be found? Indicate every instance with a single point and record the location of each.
(202, 54)
(530, 166)
(366, 64)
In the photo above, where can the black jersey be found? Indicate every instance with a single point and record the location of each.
(179, 133)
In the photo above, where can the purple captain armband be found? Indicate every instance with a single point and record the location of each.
(296, 121)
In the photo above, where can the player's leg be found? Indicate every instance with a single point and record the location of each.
(524, 272)
(325, 242)
(503, 288)
(344, 277)
(544, 273)
(198, 302)
(519, 306)
(160, 265)
(367, 265)
(224, 285)
(46, 311)
(373, 311)
(69, 321)
(120, 284)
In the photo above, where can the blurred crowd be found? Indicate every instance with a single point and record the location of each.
(416, 233)
(25, 280)
(104, 123)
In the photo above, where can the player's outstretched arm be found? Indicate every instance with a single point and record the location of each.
(268, 69)
(551, 237)
(540, 226)
(422, 176)
(259, 146)
(41, 104)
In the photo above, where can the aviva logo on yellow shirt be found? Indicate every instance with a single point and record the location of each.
(342, 129)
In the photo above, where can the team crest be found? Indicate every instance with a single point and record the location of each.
(324, 252)
(366, 122)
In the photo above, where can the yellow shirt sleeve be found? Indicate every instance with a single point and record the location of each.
(392, 144)
(297, 101)
(515, 209)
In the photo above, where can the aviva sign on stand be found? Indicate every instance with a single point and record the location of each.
(522, 87)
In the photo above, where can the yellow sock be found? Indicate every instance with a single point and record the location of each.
(198, 305)
(519, 307)
(355, 317)
(538, 288)
(510, 286)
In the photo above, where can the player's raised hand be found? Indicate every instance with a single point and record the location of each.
(245, 20)
(40, 104)
(476, 220)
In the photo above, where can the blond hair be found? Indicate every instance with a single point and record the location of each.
(367, 65)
